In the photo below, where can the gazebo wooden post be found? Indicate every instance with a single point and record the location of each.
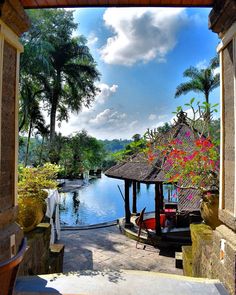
(127, 208)
(161, 197)
(157, 209)
(134, 207)
(138, 186)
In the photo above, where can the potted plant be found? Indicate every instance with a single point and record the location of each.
(32, 193)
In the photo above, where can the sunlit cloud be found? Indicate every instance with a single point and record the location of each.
(92, 39)
(141, 34)
(152, 117)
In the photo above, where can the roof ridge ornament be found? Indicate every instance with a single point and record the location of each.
(181, 117)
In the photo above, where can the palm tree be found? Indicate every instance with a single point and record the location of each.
(201, 80)
(70, 83)
(64, 66)
(43, 131)
(35, 119)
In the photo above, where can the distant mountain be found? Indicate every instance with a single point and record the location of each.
(115, 145)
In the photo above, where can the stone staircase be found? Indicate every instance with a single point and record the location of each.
(116, 283)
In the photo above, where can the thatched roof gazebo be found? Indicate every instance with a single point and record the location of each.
(138, 170)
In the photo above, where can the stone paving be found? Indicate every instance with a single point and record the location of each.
(108, 248)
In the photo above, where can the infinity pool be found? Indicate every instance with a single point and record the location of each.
(100, 201)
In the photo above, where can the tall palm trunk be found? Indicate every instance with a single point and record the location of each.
(55, 99)
(22, 123)
(53, 122)
(28, 143)
(41, 150)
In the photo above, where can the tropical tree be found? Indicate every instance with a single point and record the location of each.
(68, 71)
(43, 132)
(30, 115)
(201, 80)
(36, 119)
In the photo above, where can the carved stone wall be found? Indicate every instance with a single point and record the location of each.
(228, 169)
(13, 22)
(8, 109)
(203, 258)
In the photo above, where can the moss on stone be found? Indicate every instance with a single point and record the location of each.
(187, 260)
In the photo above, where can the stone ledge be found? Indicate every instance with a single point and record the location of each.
(56, 258)
(14, 16)
(222, 16)
(227, 218)
(117, 282)
(36, 259)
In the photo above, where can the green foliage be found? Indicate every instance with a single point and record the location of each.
(79, 153)
(131, 149)
(59, 64)
(114, 145)
(32, 181)
(201, 81)
(32, 194)
(196, 119)
(192, 160)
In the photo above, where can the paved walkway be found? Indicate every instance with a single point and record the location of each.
(96, 259)
(107, 248)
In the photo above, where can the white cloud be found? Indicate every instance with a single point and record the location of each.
(152, 117)
(133, 124)
(106, 92)
(107, 118)
(92, 39)
(216, 71)
(141, 34)
(203, 64)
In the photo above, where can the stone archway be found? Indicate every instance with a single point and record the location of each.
(13, 22)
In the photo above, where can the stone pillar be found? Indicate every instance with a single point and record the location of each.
(13, 22)
(222, 20)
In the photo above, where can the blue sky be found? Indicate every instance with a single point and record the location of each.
(141, 54)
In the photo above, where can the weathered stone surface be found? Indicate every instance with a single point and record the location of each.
(8, 216)
(228, 218)
(13, 15)
(187, 261)
(36, 259)
(7, 187)
(224, 269)
(222, 16)
(201, 236)
(56, 258)
(229, 118)
(5, 245)
(206, 260)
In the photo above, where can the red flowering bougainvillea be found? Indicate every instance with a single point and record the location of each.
(192, 162)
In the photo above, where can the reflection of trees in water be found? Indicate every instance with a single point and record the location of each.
(62, 205)
(147, 186)
(76, 201)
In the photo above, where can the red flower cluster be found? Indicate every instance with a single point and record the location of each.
(195, 162)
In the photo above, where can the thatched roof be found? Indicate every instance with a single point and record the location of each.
(137, 168)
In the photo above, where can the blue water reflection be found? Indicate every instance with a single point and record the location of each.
(101, 201)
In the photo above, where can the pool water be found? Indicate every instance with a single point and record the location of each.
(100, 201)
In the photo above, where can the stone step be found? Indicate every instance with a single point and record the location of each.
(115, 283)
